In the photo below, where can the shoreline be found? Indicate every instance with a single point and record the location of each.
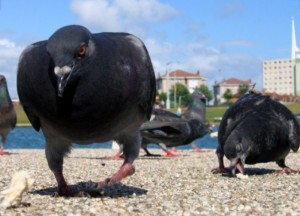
(23, 125)
(160, 186)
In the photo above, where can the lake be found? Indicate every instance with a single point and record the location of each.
(28, 138)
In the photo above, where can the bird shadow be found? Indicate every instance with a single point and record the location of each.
(141, 157)
(114, 191)
(92, 158)
(258, 171)
(252, 172)
(8, 153)
(162, 157)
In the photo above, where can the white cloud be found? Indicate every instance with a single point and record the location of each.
(6, 43)
(211, 62)
(138, 16)
(121, 15)
(9, 56)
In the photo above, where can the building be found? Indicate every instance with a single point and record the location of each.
(190, 80)
(282, 76)
(296, 57)
(297, 75)
(278, 76)
(232, 84)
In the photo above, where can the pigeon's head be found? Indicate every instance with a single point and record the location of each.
(4, 95)
(69, 47)
(196, 107)
(197, 100)
(237, 149)
(3, 83)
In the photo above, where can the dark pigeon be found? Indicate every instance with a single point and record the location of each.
(169, 130)
(256, 129)
(80, 87)
(8, 118)
(297, 116)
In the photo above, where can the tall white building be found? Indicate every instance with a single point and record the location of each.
(280, 75)
(295, 49)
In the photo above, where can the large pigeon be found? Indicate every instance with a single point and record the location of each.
(169, 130)
(8, 118)
(80, 87)
(256, 129)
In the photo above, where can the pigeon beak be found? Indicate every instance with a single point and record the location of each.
(63, 75)
(61, 84)
(237, 164)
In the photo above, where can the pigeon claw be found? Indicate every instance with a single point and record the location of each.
(126, 170)
(2, 152)
(105, 183)
(171, 154)
(68, 192)
(220, 170)
(197, 149)
(287, 170)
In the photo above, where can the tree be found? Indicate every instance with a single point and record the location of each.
(162, 96)
(227, 95)
(181, 92)
(205, 90)
(242, 90)
(161, 99)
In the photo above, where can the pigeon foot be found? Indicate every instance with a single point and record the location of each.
(171, 154)
(72, 192)
(148, 154)
(219, 170)
(151, 155)
(66, 191)
(2, 152)
(197, 149)
(126, 170)
(287, 170)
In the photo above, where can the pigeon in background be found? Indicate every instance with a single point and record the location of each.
(80, 87)
(256, 129)
(169, 130)
(297, 116)
(8, 118)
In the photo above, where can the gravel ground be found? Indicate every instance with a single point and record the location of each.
(160, 186)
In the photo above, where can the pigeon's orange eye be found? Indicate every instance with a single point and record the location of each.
(82, 50)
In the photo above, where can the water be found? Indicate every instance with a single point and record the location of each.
(28, 138)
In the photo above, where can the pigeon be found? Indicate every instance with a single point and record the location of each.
(82, 87)
(8, 118)
(297, 116)
(256, 129)
(169, 130)
(156, 114)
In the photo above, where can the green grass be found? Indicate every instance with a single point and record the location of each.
(218, 111)
(211, 112)
(21, 116)
(294, 107)
(215, 112)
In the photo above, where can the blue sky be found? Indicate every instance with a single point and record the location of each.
(220, 38)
